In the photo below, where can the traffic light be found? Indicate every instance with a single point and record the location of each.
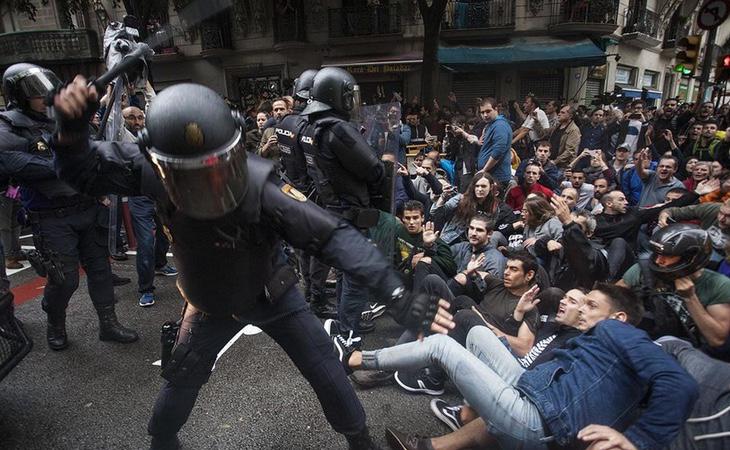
(722, 73)
(687, 58)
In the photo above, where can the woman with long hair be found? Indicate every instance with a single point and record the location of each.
(538, 222)
(452, 212)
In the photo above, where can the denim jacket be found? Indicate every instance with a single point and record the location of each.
(601, 377)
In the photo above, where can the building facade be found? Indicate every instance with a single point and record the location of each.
(555, 49)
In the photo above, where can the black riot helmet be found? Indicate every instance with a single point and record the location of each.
(23, 81)
(196, 145)
(303, 84)
(690, 242)
(333, 89)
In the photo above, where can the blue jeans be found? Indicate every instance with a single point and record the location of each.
(485, 373)
(152, 244)
(353, 300)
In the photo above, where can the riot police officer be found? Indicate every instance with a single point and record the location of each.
(221, 204)
(65, 223)
(346, 173)
(294, 168)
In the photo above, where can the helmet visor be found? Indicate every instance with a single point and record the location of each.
(37, 82)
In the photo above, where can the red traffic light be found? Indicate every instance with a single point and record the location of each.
(726, 61)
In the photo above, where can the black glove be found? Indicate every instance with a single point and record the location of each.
(414, 311)
(77, 128)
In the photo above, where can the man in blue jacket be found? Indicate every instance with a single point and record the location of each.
(494, 156)
(596, 382)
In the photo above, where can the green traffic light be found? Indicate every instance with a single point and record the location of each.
(679, 68)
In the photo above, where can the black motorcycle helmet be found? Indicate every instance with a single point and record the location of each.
(24, 81)
(303, 84)
(690, 242)
(196, 145)
(333, 89)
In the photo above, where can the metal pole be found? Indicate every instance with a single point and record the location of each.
(707, 65)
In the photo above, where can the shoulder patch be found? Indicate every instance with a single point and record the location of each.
(289, 191)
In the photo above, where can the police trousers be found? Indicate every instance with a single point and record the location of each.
(69, 236)
(299, 333)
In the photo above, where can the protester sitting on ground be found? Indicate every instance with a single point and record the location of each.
(498, 306)
(700, 172)
(656, 184)
(585, 190)
(419, 251)
(475, 256)
(715, 190)
(517, 194)
(601, 187)
(570, 196)
(452, 211)
(688, 300)
(549, 173)
(559, 323)
(538, 222)
(425, 180)
(574, 260)
(558, 399)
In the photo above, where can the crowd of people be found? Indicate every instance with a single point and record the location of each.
(620, 212)
(565, 270)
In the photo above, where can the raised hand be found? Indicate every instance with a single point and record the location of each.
(429, 235)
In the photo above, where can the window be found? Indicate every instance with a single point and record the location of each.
(650, 79)
(625, 75)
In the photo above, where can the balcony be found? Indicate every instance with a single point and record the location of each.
(290, 30)
(49, 46)
(592, 17)
(215, 37)
(478, 20)
(641, 28)
(380, 21)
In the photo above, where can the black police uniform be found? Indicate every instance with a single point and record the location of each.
(67, 226)
(346, 174)
(294, 167)
(254, 285)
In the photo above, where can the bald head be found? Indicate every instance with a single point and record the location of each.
(614, 202)
(133, 119)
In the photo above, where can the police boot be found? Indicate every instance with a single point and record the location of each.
(321, 307)
(361, 441)
(110, 329)
(159, 443)
(56, 331)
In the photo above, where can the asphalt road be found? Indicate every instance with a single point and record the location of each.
(99, 395)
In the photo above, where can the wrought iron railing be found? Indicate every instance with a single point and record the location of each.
(290, 27)
(642, 21)
(53, 45)
(215, 34)
(368, 21)
(481, 14)
(584, 11)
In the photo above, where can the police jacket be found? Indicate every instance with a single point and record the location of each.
(233, 265)
(347, 172)
(292, 157)
(25, 156)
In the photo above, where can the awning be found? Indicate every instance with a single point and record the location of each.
(636, 93)
(528, 51)
(402, 58)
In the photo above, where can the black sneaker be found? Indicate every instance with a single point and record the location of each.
(420, 382)
(401, 441)
(450, 415)
(373, 311)
(368, 379)
(345, 346)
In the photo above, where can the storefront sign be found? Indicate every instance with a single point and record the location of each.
(379, 68)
